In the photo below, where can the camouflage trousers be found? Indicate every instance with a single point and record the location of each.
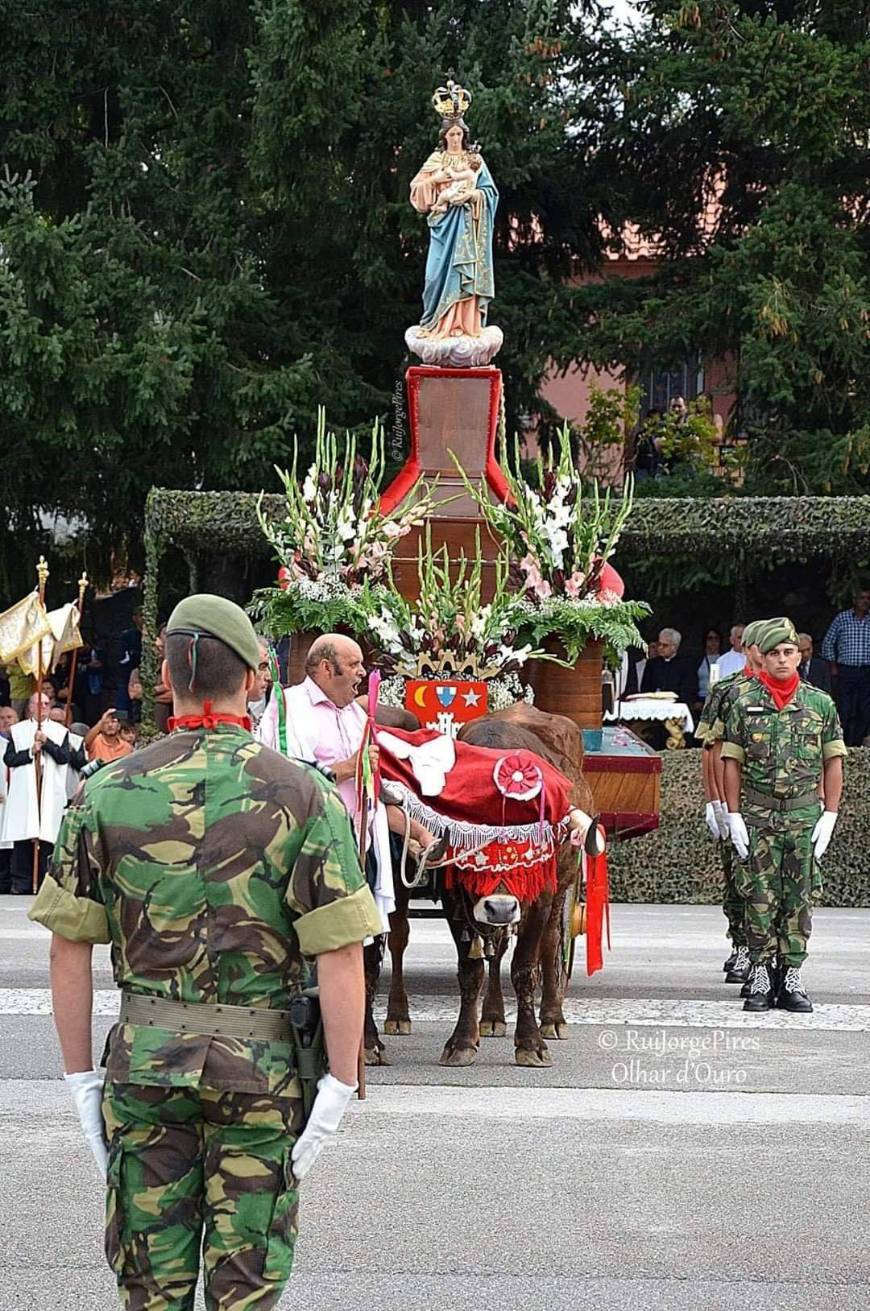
(733, 904)
(779, 883)
(197, 1173)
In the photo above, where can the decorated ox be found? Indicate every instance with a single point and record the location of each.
(521, 890)
(538, 950)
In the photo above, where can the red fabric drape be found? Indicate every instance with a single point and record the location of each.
(470, 795)
(523, 866)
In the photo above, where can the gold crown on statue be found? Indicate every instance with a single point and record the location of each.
(452, 100)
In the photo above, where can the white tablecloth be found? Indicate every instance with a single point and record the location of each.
(649, 708)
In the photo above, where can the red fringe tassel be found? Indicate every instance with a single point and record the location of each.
(526, 883)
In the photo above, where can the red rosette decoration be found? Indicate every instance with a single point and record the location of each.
(517, 779)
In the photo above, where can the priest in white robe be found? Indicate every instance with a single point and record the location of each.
(28, 814)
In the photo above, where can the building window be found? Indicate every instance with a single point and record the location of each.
(662, 383)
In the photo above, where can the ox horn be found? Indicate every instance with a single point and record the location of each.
(585, 831)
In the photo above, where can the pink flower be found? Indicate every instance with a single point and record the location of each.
(534, 579)
(391, 529)
(575, 584)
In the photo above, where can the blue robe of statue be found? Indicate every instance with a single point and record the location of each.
(459, 264)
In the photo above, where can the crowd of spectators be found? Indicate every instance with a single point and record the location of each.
(842, 668)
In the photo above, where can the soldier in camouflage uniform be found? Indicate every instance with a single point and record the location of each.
(216, 868)
(783, 742)
(709, 733)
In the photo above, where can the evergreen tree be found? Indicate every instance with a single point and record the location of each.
(752, 115)
(206, 227)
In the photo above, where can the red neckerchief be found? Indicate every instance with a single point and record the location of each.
(782, 690)
(748, 671)
(208, 720)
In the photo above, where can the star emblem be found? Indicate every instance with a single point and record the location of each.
(471, 698)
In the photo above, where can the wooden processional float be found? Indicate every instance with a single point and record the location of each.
(455, 411)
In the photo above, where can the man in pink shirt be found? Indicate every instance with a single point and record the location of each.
(325, 726)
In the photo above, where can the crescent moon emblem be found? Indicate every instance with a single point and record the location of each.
(420, 697)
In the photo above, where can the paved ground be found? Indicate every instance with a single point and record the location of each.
(677, 1154)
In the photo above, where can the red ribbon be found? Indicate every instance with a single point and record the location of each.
(209, 719)
(597, 910)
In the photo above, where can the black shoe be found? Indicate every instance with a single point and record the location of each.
(739, 972)
(731, 961)
(792, 996)
(761, 996)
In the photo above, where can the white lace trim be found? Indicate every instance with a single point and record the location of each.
(461, 834)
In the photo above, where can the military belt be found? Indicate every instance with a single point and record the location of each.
(770, 802)
(204, 1019)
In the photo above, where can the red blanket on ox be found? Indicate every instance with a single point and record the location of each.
(503, 811)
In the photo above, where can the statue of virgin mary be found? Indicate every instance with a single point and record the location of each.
(455, 190)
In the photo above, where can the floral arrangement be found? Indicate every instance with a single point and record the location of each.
(560, 536)
(449, 632)
(333, 538)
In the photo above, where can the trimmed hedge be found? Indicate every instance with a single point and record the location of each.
(680, 863)
(782, 527)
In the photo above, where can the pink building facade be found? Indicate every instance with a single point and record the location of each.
(568, 392)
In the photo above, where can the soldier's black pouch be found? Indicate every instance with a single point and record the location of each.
(306, 1023)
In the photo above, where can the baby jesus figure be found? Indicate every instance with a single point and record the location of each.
(462, 182)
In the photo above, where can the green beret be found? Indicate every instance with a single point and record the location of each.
(751, 631)
(215, 616)
(774, 632)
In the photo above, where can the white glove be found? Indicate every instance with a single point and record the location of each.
(821, 835)
(329, 1106)
(722, 819)
(711, 820)
(739, 836)
(87, 1093)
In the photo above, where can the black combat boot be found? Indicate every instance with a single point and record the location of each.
(760, 989)
(729, 964)
(792, 995)
(739, 972)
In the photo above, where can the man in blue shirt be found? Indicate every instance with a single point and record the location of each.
(847, 647)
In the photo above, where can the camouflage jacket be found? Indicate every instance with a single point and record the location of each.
(213, 865)
(710, 713)
(782, 751)
(717, 705)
